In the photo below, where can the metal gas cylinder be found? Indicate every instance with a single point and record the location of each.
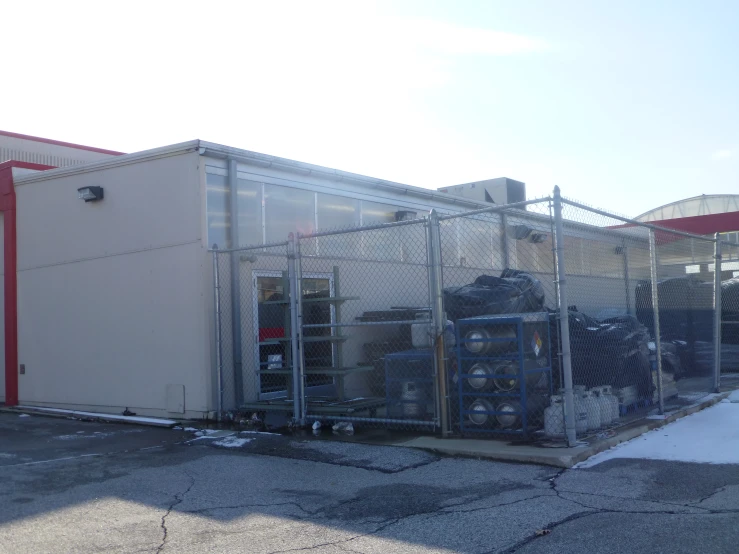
(476, 340)
(554, 422)
(477, 411)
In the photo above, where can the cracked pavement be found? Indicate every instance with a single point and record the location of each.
(71, 486)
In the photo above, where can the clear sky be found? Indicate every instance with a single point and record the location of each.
(625, 105)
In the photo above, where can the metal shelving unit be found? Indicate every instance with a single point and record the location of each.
(338, 371)
(504, 374)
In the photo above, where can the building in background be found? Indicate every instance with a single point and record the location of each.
(107, 271)
(37, 150)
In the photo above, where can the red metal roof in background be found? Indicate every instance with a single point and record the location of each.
(61, 143)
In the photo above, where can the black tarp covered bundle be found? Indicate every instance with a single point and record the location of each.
(514, 292)
(613, 351)
(685, 308)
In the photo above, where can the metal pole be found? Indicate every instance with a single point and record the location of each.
(627, 277)
(504, 240)
(236, 286)
(439, 319)
(299, 328)
(655, 312)
(294, 345)
(717, 315)
(217, 305)
(564, 321)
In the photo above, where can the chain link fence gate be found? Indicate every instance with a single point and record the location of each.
(253, 321)
(366, 334)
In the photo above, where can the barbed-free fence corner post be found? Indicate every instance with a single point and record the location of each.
(294, 299)
(564, 317)
(217, 323)
(439, 319)
(717, 315)
(655, 314)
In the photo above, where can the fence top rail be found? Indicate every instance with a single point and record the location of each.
(635, 222)
(417, 221)
(500, 208)
(249, 247)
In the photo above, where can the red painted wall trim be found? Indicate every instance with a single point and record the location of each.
(10, 285)
(61, 143)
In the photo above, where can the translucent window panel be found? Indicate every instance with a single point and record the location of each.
(373, 213)
(381, 244)
(218, 206)
(250, 212)
(337, 212)
(288, 210)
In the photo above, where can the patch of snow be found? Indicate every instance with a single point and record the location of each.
(24, 415)
(108, 417)
(177, 428)
(259, 433)
(190, 429)
(5, 455)
(206, 432)
(709, 436)
(232, 442)
(734, 396)
(96, 435)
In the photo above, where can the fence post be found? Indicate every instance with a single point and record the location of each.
(294, 296)
(627, 277)
(564, 319)
(238, 362)
(217, 317)
(439, 318)
(299, 328)
(655, 312)
(717, 315)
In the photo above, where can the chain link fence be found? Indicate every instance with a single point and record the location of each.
(544, 320)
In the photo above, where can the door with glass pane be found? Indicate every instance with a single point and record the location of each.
(272, 321)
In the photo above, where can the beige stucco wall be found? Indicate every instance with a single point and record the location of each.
(112, 295)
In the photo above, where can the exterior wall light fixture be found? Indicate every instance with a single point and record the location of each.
(90, 194)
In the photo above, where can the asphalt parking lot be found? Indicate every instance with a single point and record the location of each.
(73, 486)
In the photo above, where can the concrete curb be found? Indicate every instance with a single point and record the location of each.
(558, 457)
(89, 416)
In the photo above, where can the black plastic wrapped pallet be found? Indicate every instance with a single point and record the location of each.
(514, 292)
(612, 352)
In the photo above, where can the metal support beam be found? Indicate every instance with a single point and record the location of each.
(294, 299)
(627, 277)
(504, 240)
(564, 321)
(655, 312)
(439, 319)
(217, 321)
(717, 315)
(235, 286)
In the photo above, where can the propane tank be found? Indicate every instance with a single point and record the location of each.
(554, 423)
(607, 392)
(511, 410)
(581, 412)
(413, 399)
(479, 378)
(475, 340)
(604, 405)
(593, 408)
(477, 411)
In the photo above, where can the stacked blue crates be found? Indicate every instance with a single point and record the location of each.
(504, 373)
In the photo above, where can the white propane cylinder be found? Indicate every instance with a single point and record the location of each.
(613, 402)
(554, 423)
(581, 412)
(593, 408)
(604, 405)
